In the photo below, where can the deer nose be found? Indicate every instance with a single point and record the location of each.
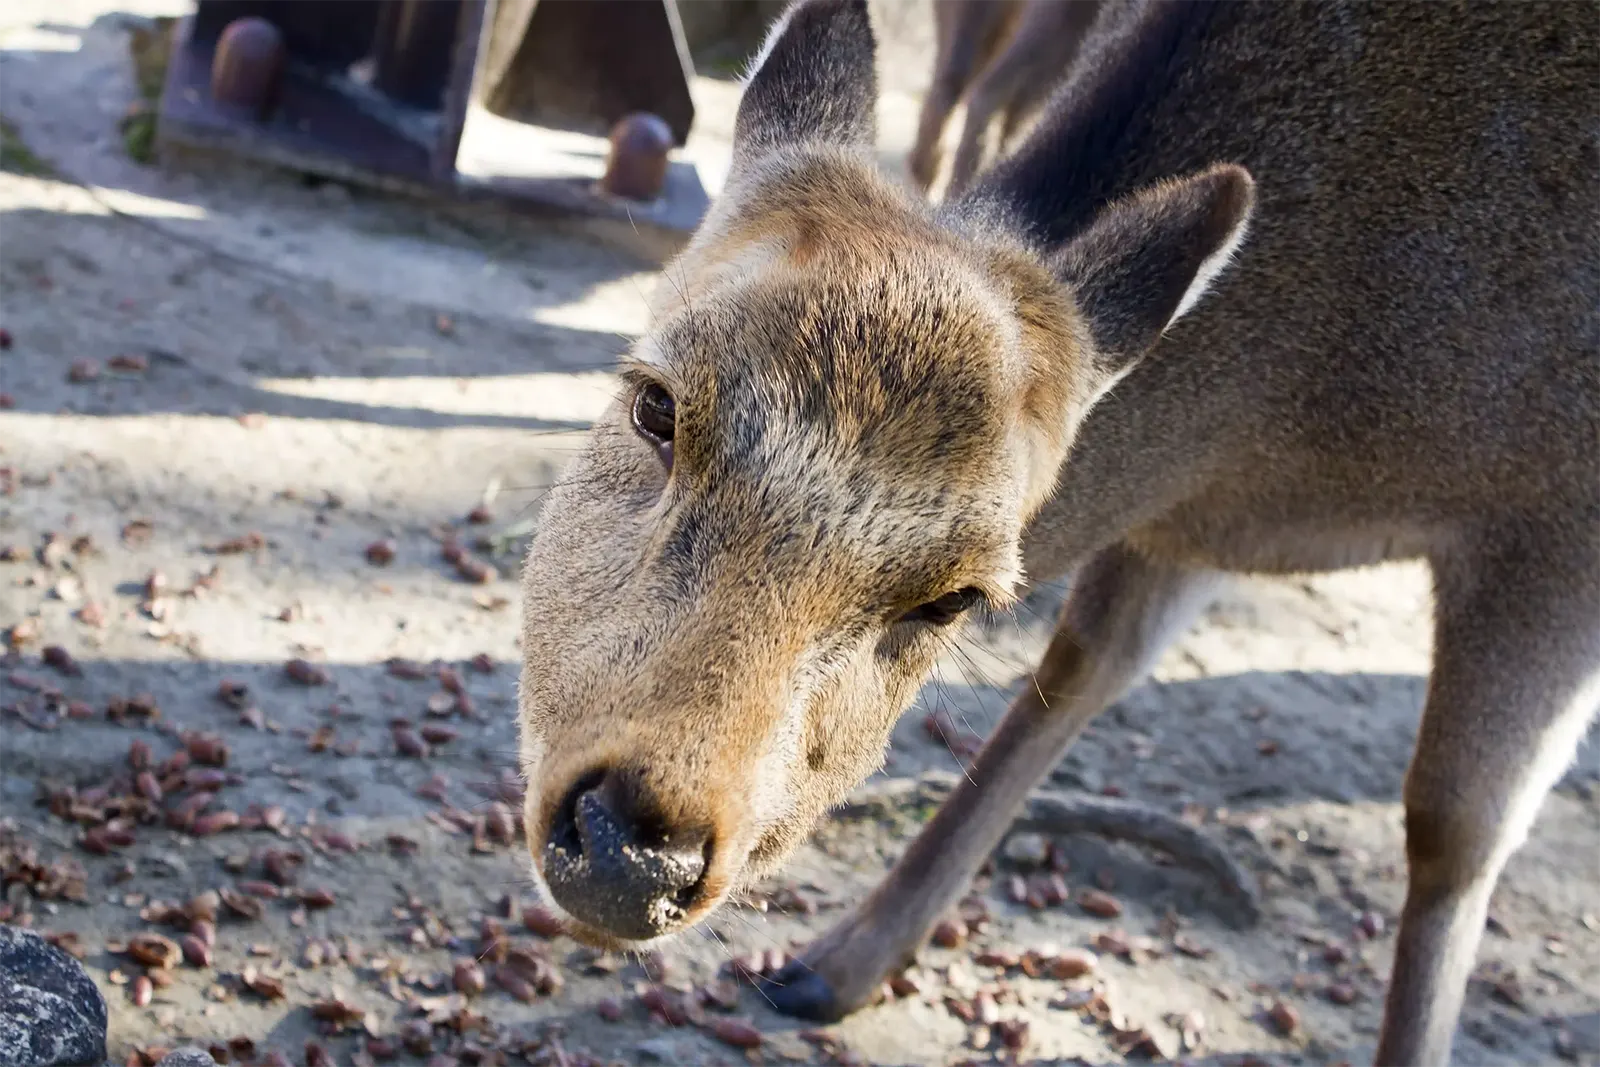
(612, 862)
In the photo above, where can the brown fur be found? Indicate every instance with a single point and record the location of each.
(880, 403)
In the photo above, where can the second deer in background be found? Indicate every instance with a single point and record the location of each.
(997, 61)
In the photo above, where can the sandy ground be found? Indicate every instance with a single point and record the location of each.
(234, 383)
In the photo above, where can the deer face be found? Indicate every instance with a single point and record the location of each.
(823, 458)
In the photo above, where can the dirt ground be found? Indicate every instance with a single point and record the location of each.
(225, 386)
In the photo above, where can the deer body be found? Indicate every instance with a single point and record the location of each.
(858, 416)
(1408, 342)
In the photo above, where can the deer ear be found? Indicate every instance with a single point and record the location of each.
(814, 81)
(1145, 261)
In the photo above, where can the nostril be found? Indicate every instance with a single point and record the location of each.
(564, 827)
(686, 897)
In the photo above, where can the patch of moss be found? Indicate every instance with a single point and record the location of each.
(16, 157)
(150, 47)
(139, 133)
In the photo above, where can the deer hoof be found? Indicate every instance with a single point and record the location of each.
(800, 992)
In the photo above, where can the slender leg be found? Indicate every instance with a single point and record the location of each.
(1515, 683)
(1123, 610)
(1011, 88)
(967, 33)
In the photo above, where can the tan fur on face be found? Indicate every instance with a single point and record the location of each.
(869, 409)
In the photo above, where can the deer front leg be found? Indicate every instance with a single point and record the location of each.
(1121, 613)
(1515, 683)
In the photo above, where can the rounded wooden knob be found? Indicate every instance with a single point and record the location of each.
(247, 68)
(636, 166)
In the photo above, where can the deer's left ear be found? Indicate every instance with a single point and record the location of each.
(813, 82)
(1144, 262)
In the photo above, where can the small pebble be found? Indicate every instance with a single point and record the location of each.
(1027, 851)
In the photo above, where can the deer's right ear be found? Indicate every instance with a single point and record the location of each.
(813, 82)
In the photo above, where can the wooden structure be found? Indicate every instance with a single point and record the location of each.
(380, 92)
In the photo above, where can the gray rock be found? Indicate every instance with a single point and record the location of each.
(188, 1056)
(51, 1013)
(1027, 851)
(659, 1050)
(666, 1050)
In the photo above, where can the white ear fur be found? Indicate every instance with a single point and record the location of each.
(774, 33)
(1146, 260)
(1210, 270)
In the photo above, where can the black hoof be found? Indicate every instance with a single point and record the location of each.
(798, 991)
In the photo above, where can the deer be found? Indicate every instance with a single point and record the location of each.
(995, 64)
(1269, 289)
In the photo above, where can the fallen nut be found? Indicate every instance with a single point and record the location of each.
(469, 978)
(475, 570)
(148, 787)
(1341, 993)
(1073, 964)
(203, 906)
(153, 950)
(736, 1032)
(1284, 1018)
(408, 743)
(128, 363)
(304, 672)
(318, 899)
(1099, 904)
(241, 905)
(513, 983)
(262, 985)
(215, 823)
(339, 1012)
(949, 933)
(196, 952)
(1013, 1033)
(438, 734)
(666, 1006)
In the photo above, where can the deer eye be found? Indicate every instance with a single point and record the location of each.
(946, 609)
(654, 415)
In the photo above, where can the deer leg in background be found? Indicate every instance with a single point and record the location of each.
(1515, 683)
